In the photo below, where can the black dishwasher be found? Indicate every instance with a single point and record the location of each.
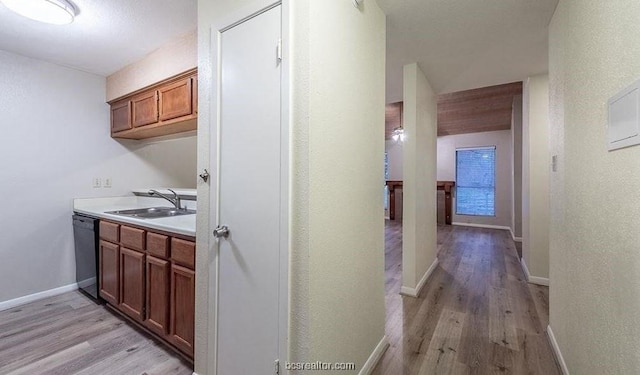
(85, 234)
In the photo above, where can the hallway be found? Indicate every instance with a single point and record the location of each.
(475, 315)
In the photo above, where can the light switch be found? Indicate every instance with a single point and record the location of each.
(107, 182)
(97, 182)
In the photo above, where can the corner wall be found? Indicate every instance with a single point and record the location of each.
(419, 250)
(536, 161)
(595, 205)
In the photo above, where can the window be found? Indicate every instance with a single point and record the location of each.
(476, 181)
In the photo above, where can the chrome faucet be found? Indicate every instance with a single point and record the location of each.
(175, 200)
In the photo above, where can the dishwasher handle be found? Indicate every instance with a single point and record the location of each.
(84, 222)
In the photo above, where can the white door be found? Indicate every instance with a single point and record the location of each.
(249, 200)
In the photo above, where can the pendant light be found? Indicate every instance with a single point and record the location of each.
(57, 12)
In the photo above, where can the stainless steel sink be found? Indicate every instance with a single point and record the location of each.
(153, 212)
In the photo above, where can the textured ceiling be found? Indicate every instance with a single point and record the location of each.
(105, 36)
(465, 44)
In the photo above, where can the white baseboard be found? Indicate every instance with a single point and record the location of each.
(414, 292)
(533, 279)
(6, 305)
(513, 236)
(556, 351)
(375, 356)
(539, 280)
(486, 226)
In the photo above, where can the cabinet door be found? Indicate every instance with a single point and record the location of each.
(158, 285)
(182, 308)
(176, 99)
(120, 116)
(144, 108)
(109, 272)
(194, 82)
(132, 283)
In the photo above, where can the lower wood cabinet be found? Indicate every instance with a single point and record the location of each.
(147, 284)
(158, 286)
(109, 272)
(182, 307)
(132, 283)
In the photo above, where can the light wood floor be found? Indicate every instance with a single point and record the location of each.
(69, 334)
(475, 315)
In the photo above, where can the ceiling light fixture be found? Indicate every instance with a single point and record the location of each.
(57, 12)
(398, 134)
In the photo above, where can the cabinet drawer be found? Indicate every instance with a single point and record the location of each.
(158, 245)
(183, 252)
(132, 238)
(109, 231)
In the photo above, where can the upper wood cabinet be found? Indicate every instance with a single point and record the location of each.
(176, 99)
(164, 108)
(121, 116)
(144, 109)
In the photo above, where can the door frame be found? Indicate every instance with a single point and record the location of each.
(226, 22)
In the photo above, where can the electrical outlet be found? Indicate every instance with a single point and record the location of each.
(97, 182)
(107, 183)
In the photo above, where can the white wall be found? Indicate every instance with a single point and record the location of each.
(55, 140)
(535, 176)
(447, 146)
(419, 248)
(337, 228)
(516, 167)
(595, 205)
(175, 57)
(394, 153)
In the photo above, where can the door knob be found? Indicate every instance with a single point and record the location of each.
(221, 232)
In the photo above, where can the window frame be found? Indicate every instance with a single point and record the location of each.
(494, 148)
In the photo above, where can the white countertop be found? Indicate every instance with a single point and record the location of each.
(98, 207)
